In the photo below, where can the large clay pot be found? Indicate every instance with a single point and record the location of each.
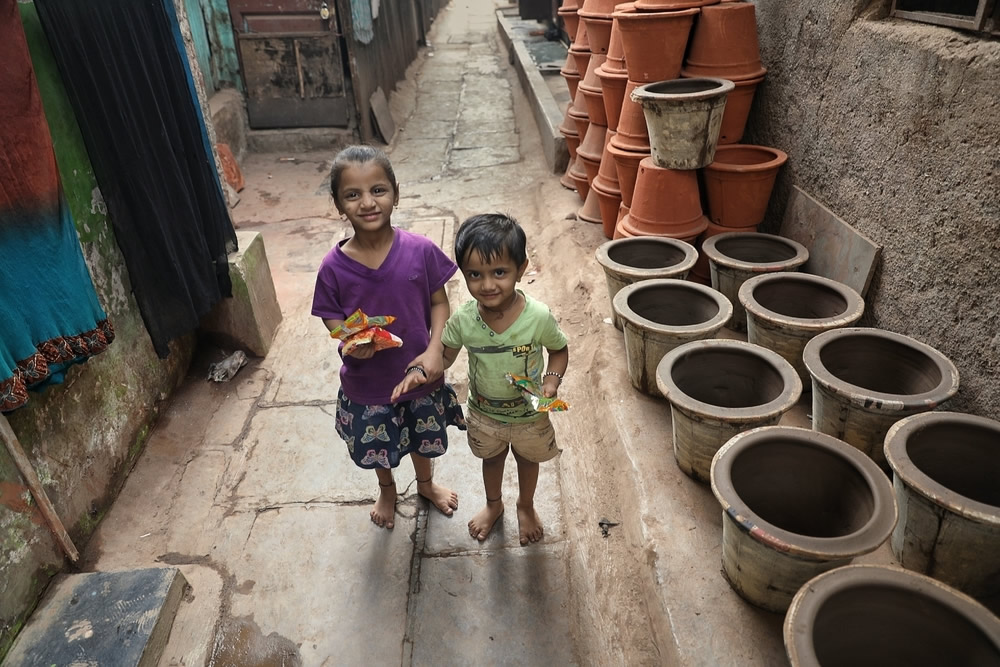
(671, 5)
(795, 503)
(569, 131)
(735, 257)
(579, 177)
(591, 209)
(659, 315)
(665, 202)
(607, 175)
(613, 93)
(786, 310)
(718, 388)
(683, 118)
(734, 120)
(945, 469)
(566, 180)
(591, 149)
(598, 29)
(627, 261)
(615, 63)
(632, 133)
(738, 183)
(865, 380)
(654, 42)
(571, 20)
(873, 616)
(570, 74)
(627, 166)
(724, 43)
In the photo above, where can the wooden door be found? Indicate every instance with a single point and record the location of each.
(290, 55)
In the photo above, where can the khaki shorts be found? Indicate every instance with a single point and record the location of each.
(534, 441)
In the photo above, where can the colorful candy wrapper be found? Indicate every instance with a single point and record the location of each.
(360, 329)
(533, 396)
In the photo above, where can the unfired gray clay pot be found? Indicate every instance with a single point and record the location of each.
(864, 380)
(785, 310)
(629, 260)
(659, 315)
(718, 388)
(795, 503)
(874, 616)
(946, 474)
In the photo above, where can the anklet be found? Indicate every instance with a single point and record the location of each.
(493, 500)
(392, 483)
(424, 481)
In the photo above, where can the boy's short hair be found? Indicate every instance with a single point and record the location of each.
(490, 234)
(359, 154)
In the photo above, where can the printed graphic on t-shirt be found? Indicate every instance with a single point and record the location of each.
(489, 391)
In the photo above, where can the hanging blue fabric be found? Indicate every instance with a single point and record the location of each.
(361, 20)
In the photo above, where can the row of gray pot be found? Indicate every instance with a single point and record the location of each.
(800, 504)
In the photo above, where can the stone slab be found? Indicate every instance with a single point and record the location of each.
(506, 607)
(546, 111)
(250, 319)
(836, 250)
(384, 123)
(102, 618)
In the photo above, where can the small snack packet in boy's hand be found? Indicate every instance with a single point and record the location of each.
(533, 396)
(360, 329)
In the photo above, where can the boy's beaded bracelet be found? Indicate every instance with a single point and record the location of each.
(416, 368)
(548, 373)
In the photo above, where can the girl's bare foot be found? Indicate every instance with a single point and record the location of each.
(385, 507)
(481, 524)
(444, 499)
(528, 524)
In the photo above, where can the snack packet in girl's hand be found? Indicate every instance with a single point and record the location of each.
(360, 329)
(533, 396)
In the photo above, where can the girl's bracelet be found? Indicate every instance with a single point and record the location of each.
(548, 373)
(416, 368)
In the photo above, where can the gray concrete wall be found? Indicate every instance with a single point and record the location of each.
(895, 126)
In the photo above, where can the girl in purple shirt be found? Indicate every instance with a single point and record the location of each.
(384, 270)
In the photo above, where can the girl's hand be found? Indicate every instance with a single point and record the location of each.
(411, 381)
(550, 386)
(365, 351)
(433, 365)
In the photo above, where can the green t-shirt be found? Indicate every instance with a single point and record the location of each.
(518, 351)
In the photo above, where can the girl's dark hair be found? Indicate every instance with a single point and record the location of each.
(359, 154)
(490, 234)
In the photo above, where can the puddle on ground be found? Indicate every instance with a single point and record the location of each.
(240, 642)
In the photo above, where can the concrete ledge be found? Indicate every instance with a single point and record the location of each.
(543, 105)
(249, 320)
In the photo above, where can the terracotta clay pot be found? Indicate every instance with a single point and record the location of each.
(571, 20)
(565, 180)
(654, 42)
(632, 133)
(571, 4)
(572, 141)
(613, 93)
(659, 315)
(609, 201)
(788, 309)
(739, 182)
(570, 74)
(593, 96)
(671, 5)
(598, 7)
(616, 52)
(795, 504)
(874, 615)
(724, 43)
(579, 117)
(665, 201)
(717, 389)
(736, 257)
(627, 261)
(579, 177)
(607, 175)
(627, 168)
(945, 467)
(598, 29)
(865, 380)
(683, 118)
(738, 103)
(591, 149)
(591, 209)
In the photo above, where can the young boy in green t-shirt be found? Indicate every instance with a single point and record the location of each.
(504, 331)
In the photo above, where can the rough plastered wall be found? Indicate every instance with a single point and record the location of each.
(82, 436)
(895, 126)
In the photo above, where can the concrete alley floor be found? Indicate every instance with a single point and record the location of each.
(247, 489)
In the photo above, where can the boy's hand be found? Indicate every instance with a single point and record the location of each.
(363, 351)
(412, 380)
(433, 365)
(550, 386)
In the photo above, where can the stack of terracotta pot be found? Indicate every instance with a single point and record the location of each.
(570, 72)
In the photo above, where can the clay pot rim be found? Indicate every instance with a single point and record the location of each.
(809, 600)
(634, 14)
(596, 16)
(565, 11)
(714, 254)
(570, 74)
(855, 303)
(774, 408)
(646, 93)
(578, 114)
(626, 154)
(898, 457)
(693, 71)
(603, 255)
(864, 540)
(620, 305)
(862, 397)
(603, 73)
(676, 5)
(602, 189)
(777, 158)
(589, 90)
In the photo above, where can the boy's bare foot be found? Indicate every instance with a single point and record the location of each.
(385, 507)
(444, 499)
(481, 524)
(528, 524)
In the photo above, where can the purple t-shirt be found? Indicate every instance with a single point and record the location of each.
(414, 269)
